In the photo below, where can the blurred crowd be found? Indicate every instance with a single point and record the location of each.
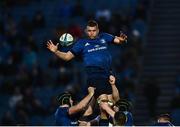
(30, 76)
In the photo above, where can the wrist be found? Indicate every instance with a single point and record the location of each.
(91, 94)
(55, 51)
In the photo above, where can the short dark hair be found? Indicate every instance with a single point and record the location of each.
(64, 98)
(124, 105)
(120, 118)
(92, 23)
(165, 116)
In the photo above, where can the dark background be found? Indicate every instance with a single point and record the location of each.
(146, 68)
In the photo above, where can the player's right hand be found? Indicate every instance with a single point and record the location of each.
(53, 48)
(112, 80)
(91, 90)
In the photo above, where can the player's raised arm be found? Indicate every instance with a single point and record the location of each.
(120, 39)
(78, 107)
(107, 108)
(54, 48)
(115, 92)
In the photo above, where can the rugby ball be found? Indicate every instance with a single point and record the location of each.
(66, 39)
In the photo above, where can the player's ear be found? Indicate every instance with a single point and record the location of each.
(97, 30)
(85, 30)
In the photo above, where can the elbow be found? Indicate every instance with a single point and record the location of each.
(83, 106)
(67, 58)
(117, 98)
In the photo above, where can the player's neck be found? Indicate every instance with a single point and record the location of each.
(93, 38)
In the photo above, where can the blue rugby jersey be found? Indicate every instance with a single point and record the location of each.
(62, 118)
(129, 116)
(95, 52)
(103, 122)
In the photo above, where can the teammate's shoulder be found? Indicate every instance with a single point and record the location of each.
(104, 34)
(79, 42)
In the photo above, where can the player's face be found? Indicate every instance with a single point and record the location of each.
(92, 32)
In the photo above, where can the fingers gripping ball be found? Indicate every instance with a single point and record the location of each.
(66, 39)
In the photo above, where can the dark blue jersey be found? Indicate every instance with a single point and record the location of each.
(95, 52)
(129, 121)
(63, 118)
(103, 122)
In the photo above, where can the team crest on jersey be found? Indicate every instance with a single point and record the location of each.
(87, 44)
(96, 46)
(102, 41)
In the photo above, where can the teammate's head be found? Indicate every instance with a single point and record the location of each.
(120, 118)
(163, 118)
(102, 98)
(65, 99)
(123, 105)
(92, 29)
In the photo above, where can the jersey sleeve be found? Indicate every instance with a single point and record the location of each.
(77, 48)
(108, 37)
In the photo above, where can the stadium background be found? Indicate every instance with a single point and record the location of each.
(147, 67)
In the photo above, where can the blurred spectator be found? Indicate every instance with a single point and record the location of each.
(55, 63)
(129, 90)
(15, 98)
(64, 76)
(25, 26)
(75, 30)
(7, 119)
(140, 12)
(151, 92)
(175, 103)
(103, 13)
(22, 77)
(175, 115)
(22, 117)
(178, 83)
(175, 110)
(52, 105)
(65, 9)
(12, 34)
(78, 9)
(129, 59)
(33, 105)
(30, 58)
(2, 30)
(136, 42)
(38, 20)
(5, 50)
(140, 26)
(36, 76)
(103, 17)
(31, 43)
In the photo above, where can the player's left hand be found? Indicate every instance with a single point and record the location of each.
(91, 90)
(122, 37)
(112, 80)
